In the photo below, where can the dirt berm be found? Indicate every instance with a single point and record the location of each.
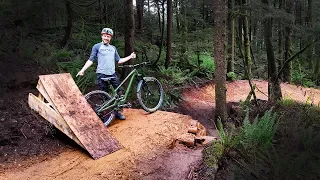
(147, 153)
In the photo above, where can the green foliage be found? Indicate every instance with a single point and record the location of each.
(302, 75)
(147, 52)
(73, 67)
(48, 56)
(287, 100)
(232, 76)
(205, 66)
(174, 75)
(170, 79)
(27, 47)
(43, 56)
(228, 139)
(260, 133)
(247, 150)
(62, 55)
(214, 153)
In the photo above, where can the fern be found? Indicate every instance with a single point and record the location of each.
(260, 133)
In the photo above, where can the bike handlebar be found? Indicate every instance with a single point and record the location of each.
(135, 65)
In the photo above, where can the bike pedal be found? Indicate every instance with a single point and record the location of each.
(128, 105)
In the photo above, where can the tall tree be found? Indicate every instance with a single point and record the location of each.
(220, 17)
(230, 66)
(246, 40)
(240, 29)
(68, 33)
(177, 8)
(129, 31)
(287, 43)
(169, 32)
(317, 65)
(280, 37)
(161, 27)
(309, 36)
(140, 4)
(274, 90)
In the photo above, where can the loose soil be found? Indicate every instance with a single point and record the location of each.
(31, 148)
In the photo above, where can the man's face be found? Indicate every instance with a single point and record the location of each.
(106, 38)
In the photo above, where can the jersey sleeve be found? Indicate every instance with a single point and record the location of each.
(116, 56)
(94, 52)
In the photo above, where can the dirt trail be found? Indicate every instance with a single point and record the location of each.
(239, 90)
(199, 102)
(146, 140)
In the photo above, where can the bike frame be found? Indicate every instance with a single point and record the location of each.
(117, 101)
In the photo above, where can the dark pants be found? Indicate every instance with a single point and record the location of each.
(104, 85)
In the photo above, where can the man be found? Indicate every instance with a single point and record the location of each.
(107, 55)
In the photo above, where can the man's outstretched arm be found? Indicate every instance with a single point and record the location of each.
(125, 59)
(84, 68)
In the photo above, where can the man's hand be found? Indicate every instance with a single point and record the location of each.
(133, 55)
(80, 73)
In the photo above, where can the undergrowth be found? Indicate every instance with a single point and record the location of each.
(282, 144)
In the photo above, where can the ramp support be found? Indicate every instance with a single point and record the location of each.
(61, 103)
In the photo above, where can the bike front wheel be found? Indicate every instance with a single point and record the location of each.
(97, 99)
(150, 94)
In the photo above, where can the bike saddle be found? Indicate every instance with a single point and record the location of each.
(107, 78)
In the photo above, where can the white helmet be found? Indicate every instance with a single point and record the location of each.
(107, 31)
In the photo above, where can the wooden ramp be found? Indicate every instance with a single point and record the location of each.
(61, 103)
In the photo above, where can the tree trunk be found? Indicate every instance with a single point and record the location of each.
(68, 34)
(230, 66)
(317, 66)
(287, 44)
(220, 17)
(140, 4)
(274, 90)
(240, 24)
(280, 38)
(247, 52)
(162, 34)
(169, 32)
(309, 37)
(194, 27)
(203, 14)
(129, 32)
(159, 15)
(178, 15)
(184, 28)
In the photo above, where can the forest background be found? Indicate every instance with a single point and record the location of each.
(273, 40)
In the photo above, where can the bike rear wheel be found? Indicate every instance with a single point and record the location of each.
(98, 98)
(150, 94)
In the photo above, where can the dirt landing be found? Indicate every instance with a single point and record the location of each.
(239, 90)
(145, 155)
(200, 102)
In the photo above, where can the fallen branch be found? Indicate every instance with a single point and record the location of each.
(23, 134)
(295, 55)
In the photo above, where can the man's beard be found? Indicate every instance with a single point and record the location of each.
(106, 41)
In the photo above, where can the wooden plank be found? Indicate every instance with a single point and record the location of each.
(82, 120)
(52, 116)
(44, 94)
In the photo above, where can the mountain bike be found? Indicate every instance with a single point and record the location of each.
(149, 95)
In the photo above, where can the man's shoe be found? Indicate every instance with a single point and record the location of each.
(120, 116)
